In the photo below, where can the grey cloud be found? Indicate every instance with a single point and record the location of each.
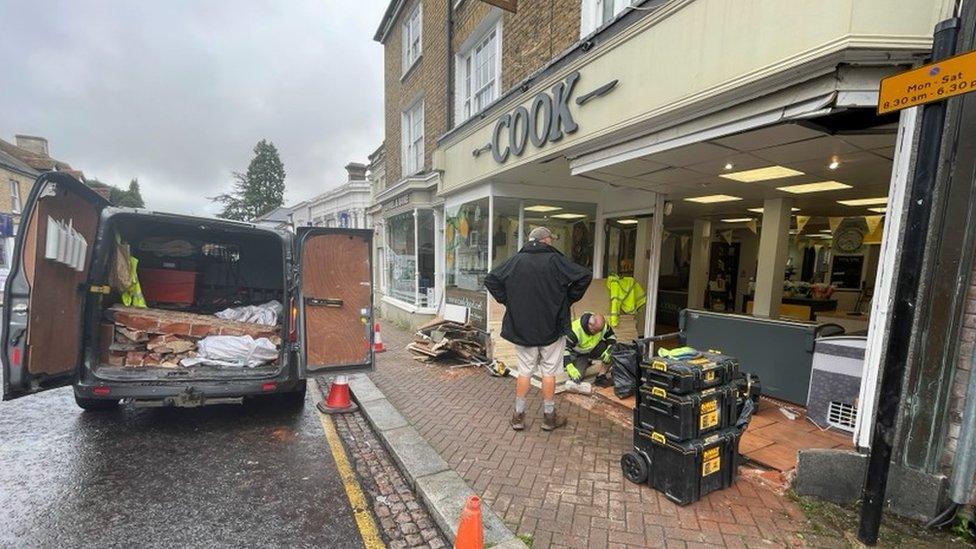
(177, 93)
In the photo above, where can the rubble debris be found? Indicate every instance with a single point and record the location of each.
(449, 342)
(137, 338)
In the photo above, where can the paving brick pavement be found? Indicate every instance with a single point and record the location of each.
(565, 488)
(404, 522)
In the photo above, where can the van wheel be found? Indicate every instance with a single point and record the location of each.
(96, 404)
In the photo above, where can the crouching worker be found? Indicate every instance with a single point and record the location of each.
(589, 338)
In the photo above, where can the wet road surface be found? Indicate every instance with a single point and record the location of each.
(244, 475)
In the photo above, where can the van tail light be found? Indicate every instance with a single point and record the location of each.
(293, 322)
(102, 391)
(16, 357)
(268, 387)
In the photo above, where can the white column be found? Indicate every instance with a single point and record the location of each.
(599, 236)
(416, 261)
(438, 257)
(701, 246)
(884, 282)
(774, 243)
(654, 267)
(521, 224)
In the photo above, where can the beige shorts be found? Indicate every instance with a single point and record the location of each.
(547, 359)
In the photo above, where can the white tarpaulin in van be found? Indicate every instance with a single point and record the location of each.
(266, 313)
(240, 351)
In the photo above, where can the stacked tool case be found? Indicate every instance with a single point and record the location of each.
(686, 442)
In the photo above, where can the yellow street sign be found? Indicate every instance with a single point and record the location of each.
(928, 83)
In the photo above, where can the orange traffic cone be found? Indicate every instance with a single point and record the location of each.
(470, 534)
(377, 339)
(338, 400)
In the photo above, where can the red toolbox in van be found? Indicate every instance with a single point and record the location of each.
(168, 286)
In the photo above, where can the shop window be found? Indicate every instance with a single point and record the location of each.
(425, 259)
(412, 143)
(410, 258)
(411, 38)
(505, 230)
(466, 260)
(572, 224)
(401, 258)
(479, 71)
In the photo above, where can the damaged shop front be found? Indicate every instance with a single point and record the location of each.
(753, 198)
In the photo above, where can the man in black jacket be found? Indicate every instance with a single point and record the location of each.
(537, 285)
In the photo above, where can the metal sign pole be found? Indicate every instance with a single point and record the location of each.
(904, 301)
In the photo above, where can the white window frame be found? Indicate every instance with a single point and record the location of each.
(465, 98)
(411, 145)
(16, 204)
(411, 30)
(591, 13)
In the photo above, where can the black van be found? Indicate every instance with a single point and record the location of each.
(55, 306)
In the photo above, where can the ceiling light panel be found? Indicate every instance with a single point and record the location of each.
(568, 216)
(814, 187)
(760, 210)
(542, 208)
(712, 198)
(761, 174)
(737, 220)
(865, 201)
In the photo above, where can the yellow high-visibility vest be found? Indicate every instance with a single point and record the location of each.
(626, 296)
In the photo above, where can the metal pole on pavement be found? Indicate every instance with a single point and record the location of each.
(913, 240)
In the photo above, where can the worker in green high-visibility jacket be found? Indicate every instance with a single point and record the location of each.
(589, 338)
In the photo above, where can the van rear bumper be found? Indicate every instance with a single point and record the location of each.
(188, 392)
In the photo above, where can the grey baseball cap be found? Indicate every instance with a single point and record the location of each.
(539, 233)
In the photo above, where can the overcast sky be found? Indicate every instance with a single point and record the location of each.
(177, 93)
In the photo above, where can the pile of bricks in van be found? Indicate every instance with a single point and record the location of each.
(136, 338)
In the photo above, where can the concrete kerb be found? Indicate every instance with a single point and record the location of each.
(442, 490)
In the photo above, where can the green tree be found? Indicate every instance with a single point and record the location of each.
(131, 198)
(257, 191)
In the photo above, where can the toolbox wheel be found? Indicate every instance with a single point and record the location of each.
(634, 467)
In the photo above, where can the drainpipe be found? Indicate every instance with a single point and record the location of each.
(904, 298)
(450, 64)
(964, 466)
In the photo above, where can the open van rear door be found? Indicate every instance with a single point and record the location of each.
(44, 297)
(335, 279)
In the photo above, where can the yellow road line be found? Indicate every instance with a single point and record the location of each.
(360, 509)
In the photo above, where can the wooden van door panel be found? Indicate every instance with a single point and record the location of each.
(45, 298)
(336, 296)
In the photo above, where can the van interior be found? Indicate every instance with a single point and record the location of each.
(211, 290)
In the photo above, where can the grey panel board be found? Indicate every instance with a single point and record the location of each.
(779, 352)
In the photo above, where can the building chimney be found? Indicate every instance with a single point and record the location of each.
(357, 171)
(34, 144)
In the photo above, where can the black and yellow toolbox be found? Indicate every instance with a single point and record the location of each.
(690, 411)
(685, 416)
(686, 471)
(701, 371)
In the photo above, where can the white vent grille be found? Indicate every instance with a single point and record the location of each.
(842, 415)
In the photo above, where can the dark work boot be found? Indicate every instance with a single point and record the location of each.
(552, 421)
(518, 421)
